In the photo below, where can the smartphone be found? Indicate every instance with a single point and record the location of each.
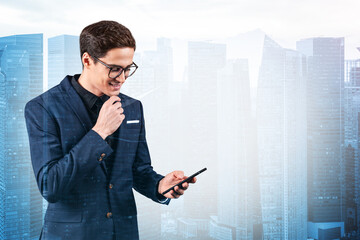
(185, 180)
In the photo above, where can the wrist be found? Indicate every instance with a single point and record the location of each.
(98, 131)
(159, 186)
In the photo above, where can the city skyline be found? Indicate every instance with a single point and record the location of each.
(216, 119)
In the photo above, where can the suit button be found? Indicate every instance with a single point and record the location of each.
(111, 186)
(101, 157)
(109, 215)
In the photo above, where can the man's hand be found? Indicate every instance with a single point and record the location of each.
(170, 180)
(110, 117)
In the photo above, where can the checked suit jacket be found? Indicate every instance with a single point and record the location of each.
(86, 200)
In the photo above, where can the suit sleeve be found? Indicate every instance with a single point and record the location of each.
(57, 173)
(146, 180)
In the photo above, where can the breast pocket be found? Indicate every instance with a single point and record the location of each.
(130, 135)
(132, 124)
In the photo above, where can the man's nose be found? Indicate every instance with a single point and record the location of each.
(121, 77)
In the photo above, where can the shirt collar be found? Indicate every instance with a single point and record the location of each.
(88, 97)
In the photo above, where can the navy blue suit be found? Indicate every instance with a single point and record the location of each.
(86, 201)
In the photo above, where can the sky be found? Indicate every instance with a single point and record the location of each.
(286, 21)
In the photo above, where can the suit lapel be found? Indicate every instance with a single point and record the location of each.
(73, 100)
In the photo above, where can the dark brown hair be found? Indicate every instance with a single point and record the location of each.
(98, 38)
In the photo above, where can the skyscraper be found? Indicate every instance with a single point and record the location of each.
(205, 59)
(21, 67)
(325, 61)
(350, 191)
(63, 58)
(2, 157)
(238, 166)
(352, 139)
(281, 134)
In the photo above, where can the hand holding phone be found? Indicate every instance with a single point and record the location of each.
(185, 180)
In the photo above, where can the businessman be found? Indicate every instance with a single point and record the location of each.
(88, 145)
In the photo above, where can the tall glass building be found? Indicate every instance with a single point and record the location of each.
(205, 59)
(237, 189)
(281, 134)
(63, 58)
(352, 142)
(326, 191)
(21, 78)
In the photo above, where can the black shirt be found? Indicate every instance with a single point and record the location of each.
(93, 105)
(92, 102)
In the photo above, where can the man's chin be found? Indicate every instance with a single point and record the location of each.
(113, 93)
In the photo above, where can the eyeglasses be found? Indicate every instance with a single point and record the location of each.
(115, 70)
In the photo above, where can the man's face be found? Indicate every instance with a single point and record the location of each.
(99, 81)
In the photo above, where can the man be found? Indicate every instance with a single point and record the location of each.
(88, 146)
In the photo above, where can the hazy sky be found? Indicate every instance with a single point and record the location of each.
(284, 20)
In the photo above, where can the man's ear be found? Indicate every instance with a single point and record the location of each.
(87, 60)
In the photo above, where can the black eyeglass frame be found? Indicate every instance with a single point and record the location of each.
(121, 71)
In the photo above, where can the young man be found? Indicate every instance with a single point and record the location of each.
(88, 146)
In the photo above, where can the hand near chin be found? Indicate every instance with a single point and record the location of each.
(110, 117)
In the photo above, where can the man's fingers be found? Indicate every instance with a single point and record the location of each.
(117, 105)
(114, 102)
(174, 178)
(178, 174)
(193, 180)
(177, 192)
(114, 99)
(185, 185)
(174, 194)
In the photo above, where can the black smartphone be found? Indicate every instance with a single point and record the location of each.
(185, 180)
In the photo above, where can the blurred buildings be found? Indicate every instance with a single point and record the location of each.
(326, 192)
(21, 79)
(63, 58)
(281, 134)
(282, 163)
(351, 139)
